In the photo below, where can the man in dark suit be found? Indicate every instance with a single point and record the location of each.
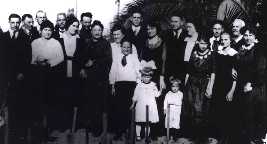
(27, 31)
(237, 34)
(60, 26)
(175, 45)
(85, 32)
(40, 17)
(17, 57)
(137, 32)
(217, 29)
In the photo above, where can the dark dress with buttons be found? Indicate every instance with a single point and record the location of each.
(96, 87)
(223, 112)
(250, 67)
(196, 104)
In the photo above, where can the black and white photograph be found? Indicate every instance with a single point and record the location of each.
(133, 72)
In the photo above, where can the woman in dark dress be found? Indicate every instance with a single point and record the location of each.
(199, 84)
(98, 60)
(223, 105)
(155, 50)
(250, 86)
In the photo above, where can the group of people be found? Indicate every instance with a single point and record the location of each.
(200, 85)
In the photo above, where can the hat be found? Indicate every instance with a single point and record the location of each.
(175, 81)
(147, 67)
(150, 64)
(146, 71)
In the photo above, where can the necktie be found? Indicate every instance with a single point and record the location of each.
(135, 31)
(13, 35)
(124, 61)
(174, 34)
(215, 45)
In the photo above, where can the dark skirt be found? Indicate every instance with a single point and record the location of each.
(196, 107)
(254, 116)
(120, 113)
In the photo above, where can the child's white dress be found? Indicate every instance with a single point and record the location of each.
(145, 94)
(175, 101)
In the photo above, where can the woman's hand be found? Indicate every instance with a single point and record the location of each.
(186, 79)
(229, 96)
(113, 90)
(20, 76)
(2, 121)
(83, 74)
(89, 63)
(247, 87)
(132, 106)
(208, 92)
(162, 83)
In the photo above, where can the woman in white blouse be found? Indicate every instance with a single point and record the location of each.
(47, 61)
(71, 88)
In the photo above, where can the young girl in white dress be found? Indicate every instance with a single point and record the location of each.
(145, 94)
(173, 99)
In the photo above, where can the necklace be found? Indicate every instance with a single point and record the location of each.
(203, 55)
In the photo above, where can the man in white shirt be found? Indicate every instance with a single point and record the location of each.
(123, 76)
(118, 33)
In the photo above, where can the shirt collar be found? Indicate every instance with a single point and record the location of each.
(177, 32)
(136, 27)
(11, 32)
(214, 38)
(238, 39)
(61, 30)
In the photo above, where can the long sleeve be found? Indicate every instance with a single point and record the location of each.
(104, 59)
(134, 51)
(261, 64)
(113, 72)
(137, 68)
(57, 57)
(164, 53)
(34, 53)
(50, 50)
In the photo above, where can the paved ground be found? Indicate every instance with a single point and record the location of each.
(80, 138)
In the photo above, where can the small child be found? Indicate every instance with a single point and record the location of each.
(145, 94)
(174, 99)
